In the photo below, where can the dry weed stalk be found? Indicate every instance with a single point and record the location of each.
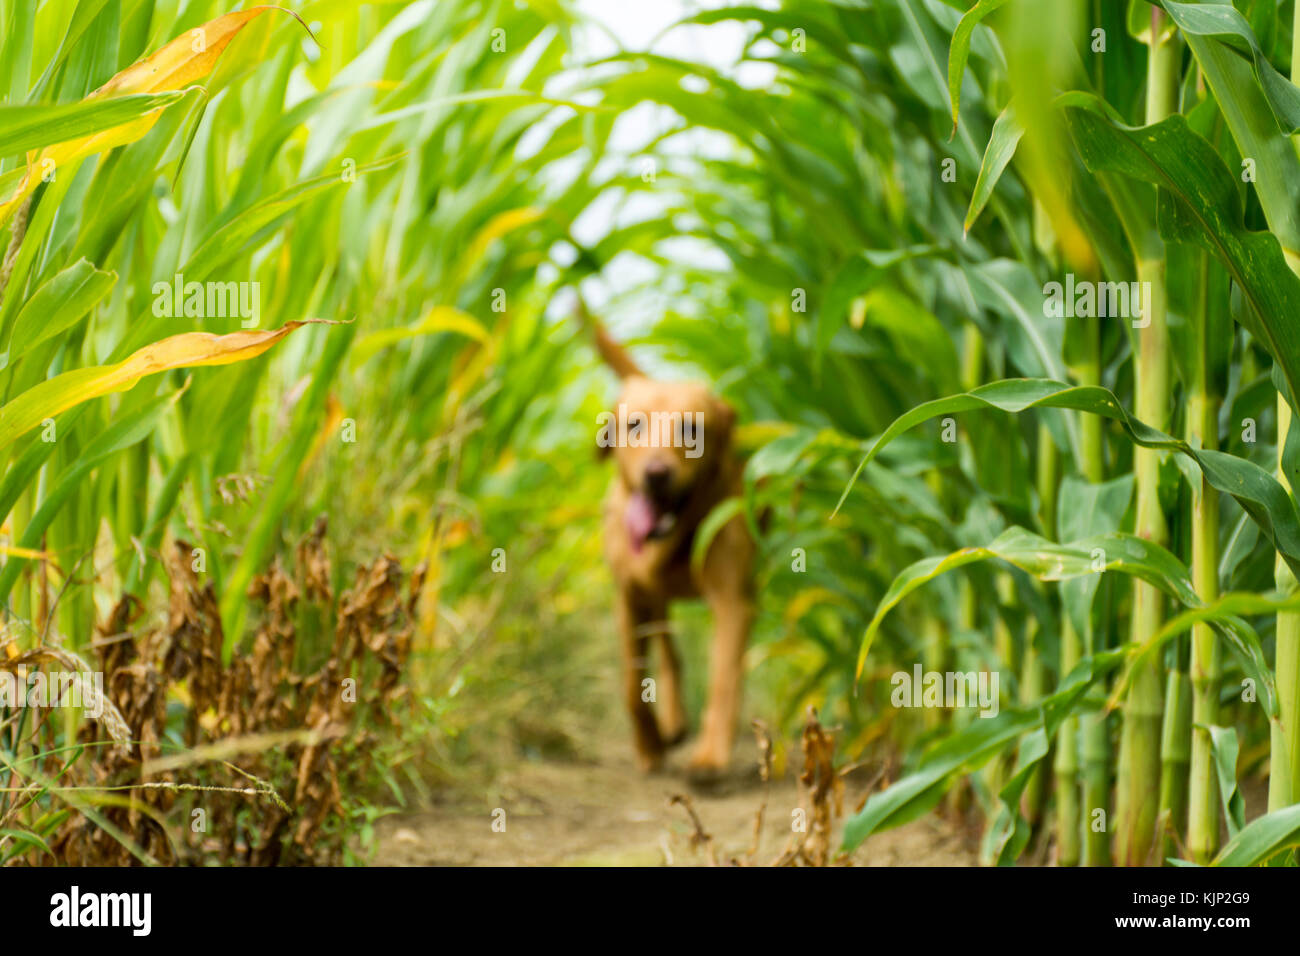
(267, 723)
(821, 790)
(699, 836)
(821, 798)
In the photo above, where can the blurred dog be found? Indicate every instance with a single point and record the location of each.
(672, 444)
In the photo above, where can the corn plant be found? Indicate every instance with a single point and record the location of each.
(1192, 254)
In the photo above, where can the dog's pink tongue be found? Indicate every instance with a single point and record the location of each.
(639, 517)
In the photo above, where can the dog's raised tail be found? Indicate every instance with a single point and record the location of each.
(615, 355)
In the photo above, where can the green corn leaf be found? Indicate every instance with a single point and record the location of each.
(227, 241)
(157, 526)
(997, 154)
(1035, 342)
(1223, 22)
(24, 841)
(1200, 203)
(859, 275)
(920, 791)
(1085, 510)
(714, 522)
(1223, 742)
(277, 496)
(1226, 615)
(817, 26)
(1271, 157)
(34, 126)
(22, 472)
(1009, 832)
(915, 334)
(56, 306)
(83, 18)
(121, 434)
(1262, 839)
(959, 51)
(1116, 551)
(969, 749)
(1257, 491)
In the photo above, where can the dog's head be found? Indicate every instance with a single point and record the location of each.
(668, 439)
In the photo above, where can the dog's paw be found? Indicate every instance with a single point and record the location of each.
(705, 764)
(711, 772)
(707, 779)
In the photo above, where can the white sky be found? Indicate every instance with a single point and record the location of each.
(639, 25)
(636, 23)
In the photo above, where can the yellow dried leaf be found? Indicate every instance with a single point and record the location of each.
(189, 349)
(185, 59)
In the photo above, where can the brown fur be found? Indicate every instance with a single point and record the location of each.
(649, 577)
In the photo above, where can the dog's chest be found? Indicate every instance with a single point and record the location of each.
(660, 566)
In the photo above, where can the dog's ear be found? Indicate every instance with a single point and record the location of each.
(615, 355)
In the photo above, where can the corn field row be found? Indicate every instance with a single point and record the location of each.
(1006, 290)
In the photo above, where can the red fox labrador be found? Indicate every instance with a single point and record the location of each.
(671, 442)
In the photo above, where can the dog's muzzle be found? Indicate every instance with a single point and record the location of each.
(646, 521)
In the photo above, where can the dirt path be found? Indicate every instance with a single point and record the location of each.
(606, 813)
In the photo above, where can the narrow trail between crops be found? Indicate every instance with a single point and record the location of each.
(604, 812)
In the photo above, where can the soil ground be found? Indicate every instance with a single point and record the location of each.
(604, 812)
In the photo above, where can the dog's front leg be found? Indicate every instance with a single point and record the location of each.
(672, 707)
(637, 616)
(733, 615)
